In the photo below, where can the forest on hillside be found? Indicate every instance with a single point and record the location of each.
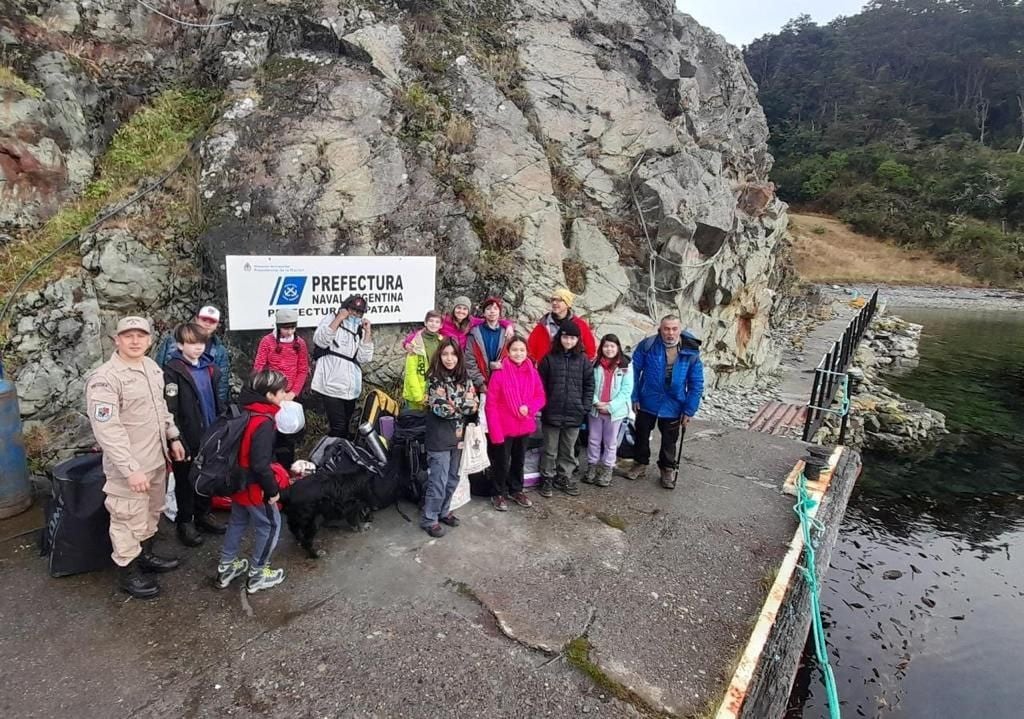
(907, 121)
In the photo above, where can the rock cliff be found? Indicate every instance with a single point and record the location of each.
(617, 148)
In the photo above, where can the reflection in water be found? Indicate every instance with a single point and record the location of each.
(924, 603)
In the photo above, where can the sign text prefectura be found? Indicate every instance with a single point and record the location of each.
(397, 289)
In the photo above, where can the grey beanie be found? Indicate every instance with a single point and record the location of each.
(286, 317)
(462, 300)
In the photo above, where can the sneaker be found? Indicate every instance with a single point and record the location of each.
(637, 471)
(567, 485)
(521, 499)
(451, 520)
(226, 573)
(547, 487)
(604, 477)
(499, 503)
(264, 578)
(434, 530)
(590, 474)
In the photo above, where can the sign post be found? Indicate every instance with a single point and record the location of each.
(397, 289)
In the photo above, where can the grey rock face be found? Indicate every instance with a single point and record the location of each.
(619, 143)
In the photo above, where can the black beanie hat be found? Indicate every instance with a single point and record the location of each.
(569, 329)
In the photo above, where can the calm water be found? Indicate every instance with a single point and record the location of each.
(924, 603)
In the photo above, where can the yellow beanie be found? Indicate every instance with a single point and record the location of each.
(565, 295)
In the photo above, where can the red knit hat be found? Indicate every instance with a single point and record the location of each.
(492, 301)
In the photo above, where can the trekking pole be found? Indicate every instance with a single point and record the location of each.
(679, 451)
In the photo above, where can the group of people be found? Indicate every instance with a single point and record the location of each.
(148, 414)
(460, 366)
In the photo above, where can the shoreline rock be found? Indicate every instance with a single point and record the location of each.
(880, 419)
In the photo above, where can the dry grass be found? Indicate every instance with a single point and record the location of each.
(459, 133)
(826, 250)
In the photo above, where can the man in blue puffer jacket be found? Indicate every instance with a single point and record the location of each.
(668, 381)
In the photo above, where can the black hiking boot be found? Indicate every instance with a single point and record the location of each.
(132, 581)
(568, 486)
(150, 562)
(547, 487)
(206, 523)
(188, 534)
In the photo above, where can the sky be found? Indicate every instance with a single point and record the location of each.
(741, 21)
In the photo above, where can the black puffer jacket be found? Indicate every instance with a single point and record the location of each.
(568, 379)
(183, 401)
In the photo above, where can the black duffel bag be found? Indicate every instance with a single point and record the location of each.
(76, 537)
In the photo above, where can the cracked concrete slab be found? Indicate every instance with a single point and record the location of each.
(392, 623)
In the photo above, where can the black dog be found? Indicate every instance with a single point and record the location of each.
(328, 495)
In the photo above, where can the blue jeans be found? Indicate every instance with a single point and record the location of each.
(442, 479)
(266, 522)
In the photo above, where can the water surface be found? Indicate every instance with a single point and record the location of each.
(924, 603)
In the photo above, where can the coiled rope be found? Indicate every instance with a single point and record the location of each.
(184, 23)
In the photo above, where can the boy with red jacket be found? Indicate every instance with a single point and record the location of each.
(256, 504)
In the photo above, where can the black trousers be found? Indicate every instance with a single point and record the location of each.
(284, 447)
(669, 429)
(190, 504)
(507, 461)
(339, 414)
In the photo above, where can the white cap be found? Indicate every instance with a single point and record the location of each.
(290, 418)
(209, 312)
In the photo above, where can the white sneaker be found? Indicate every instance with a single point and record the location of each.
(264, 578)
(226, 573)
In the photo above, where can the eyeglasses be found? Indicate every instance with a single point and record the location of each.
(288, 326)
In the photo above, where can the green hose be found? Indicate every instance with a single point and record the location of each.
(803, 508)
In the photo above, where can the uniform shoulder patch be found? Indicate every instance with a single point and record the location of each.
(103, 411)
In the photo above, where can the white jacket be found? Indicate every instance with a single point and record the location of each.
(336, 376)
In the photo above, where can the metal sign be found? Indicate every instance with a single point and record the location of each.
(397, 289)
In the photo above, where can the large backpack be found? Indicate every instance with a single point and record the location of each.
(408, 458)
(215, 470)
(76, 537)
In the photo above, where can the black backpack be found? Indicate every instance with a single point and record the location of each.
(215, 471)
(409, 455)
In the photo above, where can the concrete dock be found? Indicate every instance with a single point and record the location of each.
(623, 602)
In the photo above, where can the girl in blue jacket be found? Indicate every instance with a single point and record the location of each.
(613, 391)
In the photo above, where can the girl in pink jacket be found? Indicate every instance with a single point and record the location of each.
(514, 397)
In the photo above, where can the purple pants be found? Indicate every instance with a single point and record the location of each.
(602, 430)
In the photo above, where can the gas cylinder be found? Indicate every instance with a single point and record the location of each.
(15, 489)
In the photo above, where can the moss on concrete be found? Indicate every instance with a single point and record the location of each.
(577, 653)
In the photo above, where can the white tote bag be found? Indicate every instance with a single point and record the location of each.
(474, 451)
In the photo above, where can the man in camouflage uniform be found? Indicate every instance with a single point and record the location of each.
(129, 418)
